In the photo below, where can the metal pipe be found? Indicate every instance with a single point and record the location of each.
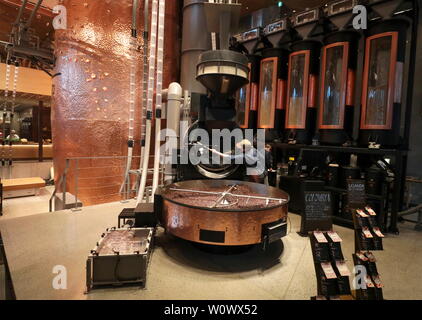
(145, 35)
(135, 18)
(410, 211)
(33, 52)
(31, 17)
(125, 187)
(150, 96)
(40, 137)
(77, 184)
(159, 96)
(21, 9)
(195, 40)
(229, 194)
(224, 194)
(174, 100)
(64, 182)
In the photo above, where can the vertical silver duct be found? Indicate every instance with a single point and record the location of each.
(195, 40)
(135, 18)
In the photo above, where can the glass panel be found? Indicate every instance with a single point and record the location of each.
(333, 86)
(241, 106)
(379, 71)
(23, 127)
(267, 87)
(296, 94)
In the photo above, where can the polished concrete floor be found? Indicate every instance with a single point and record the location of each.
(2, 292)
(21, 207)
(25, 206)
(180, 270)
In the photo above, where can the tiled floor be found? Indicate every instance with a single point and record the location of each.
(179, 270)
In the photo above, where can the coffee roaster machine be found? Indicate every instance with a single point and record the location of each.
(209, 205)
(298, 78)
(214, 206)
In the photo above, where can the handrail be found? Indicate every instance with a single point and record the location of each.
(61, 181)
(50, 202)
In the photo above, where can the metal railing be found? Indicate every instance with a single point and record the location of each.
(411, 210)
(98, 180)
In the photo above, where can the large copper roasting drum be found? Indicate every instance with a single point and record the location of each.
(224, 212)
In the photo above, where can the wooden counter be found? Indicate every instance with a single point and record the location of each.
(26, 151)
(23, 183)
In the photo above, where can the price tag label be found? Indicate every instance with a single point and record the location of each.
(342, 268)
(328, 270)
(369, 282)
(320, 237)
(361, 256)
(378, 232)
(362, 214)
(370, 256)
(367, 233)
(370, 211)
(377, 281)
(334, 236)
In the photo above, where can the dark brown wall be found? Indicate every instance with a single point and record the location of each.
(44, 115)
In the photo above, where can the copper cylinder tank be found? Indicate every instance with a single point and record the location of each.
(220, 226)
(90, 109)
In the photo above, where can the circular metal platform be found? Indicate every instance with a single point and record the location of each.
(221, 212)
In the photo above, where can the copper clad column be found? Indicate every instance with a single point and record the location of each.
(91, 94)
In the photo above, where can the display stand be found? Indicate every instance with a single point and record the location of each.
(389, 202)
(368, 237)
(143, 216)
(317, 212)
(373, 290)
(330, 267)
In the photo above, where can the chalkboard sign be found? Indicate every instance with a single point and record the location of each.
(356, 193)
(317, 213)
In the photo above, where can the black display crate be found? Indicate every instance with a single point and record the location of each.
(329, 256)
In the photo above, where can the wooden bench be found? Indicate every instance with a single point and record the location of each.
(23, 187)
